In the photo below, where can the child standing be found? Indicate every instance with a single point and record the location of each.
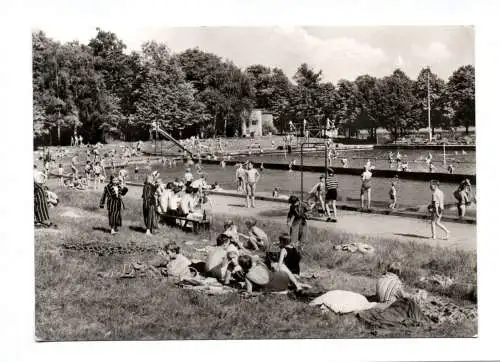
(97, 174)
(60, 171)
(393, 195)
(297, 220)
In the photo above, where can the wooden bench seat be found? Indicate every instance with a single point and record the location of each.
(198, 225)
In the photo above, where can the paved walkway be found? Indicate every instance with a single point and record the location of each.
(463, 236)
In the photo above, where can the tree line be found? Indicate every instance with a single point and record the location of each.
(98, 88)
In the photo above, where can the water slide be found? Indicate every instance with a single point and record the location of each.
(171, 139)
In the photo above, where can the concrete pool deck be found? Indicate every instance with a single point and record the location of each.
(404, 229)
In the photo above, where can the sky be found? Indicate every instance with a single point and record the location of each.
(340, 52)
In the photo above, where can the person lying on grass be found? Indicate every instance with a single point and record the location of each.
(389, 287)
(259, 278)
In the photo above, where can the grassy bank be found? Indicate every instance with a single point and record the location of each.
(73, 303)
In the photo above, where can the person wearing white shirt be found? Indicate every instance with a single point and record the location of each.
(188, 177)
(164, 195)
(436, 209)
(186, 204)
(173, 202)
(366, 188)
(39, 176)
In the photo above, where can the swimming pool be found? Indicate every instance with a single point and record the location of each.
(464, 162)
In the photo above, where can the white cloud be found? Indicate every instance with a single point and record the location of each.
(434, 51)
(338, 57)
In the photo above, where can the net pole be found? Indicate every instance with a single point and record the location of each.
(302, 172)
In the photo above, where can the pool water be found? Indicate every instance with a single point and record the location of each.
(463, 163)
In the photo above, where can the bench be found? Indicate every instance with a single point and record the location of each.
(198, 225)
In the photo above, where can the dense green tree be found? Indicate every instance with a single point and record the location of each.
(165, 96)
(368, 95)
(348, 109)
(222, 87)
(98, 88)
(397, 104)
(461, 97)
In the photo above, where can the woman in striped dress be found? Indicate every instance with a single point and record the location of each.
(149, 203)
(41, 207)
(113, 193)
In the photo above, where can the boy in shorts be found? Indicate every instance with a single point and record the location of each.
(251, 178)
(332, 185)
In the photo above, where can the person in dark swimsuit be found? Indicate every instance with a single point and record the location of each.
(289, 255)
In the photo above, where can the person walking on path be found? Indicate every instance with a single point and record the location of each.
(252, 176)
(297, 221)
(332, 185)
(149, 204)
(366, 188)
(436, 209)
(113, 193)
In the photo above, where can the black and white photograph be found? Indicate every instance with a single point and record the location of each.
(249, 180)
(266, 182)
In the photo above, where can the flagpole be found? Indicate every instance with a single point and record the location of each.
(429, 105)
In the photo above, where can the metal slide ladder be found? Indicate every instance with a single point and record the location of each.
(167, 136)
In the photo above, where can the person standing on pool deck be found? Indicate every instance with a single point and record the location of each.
(240, 177)
(393, 195)
(398, 159)
(332, 185)
(366, 188)
(251, 178)
(113, 193)
(436, 209)
(297, 221)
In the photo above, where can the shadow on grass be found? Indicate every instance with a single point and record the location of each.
(236, 205)
(139, 229)
(412, 235)
(103, 229)
(272, 213)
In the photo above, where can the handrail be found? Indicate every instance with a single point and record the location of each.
(170, 138)
(302, 164)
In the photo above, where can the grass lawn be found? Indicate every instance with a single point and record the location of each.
(73, 303)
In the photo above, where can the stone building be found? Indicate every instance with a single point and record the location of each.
(254, 124)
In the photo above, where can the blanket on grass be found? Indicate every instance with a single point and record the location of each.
(402, 313)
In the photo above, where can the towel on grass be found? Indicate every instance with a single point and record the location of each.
(343, 301)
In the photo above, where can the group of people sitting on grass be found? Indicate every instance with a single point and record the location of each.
(251, 263)
(256, 265)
